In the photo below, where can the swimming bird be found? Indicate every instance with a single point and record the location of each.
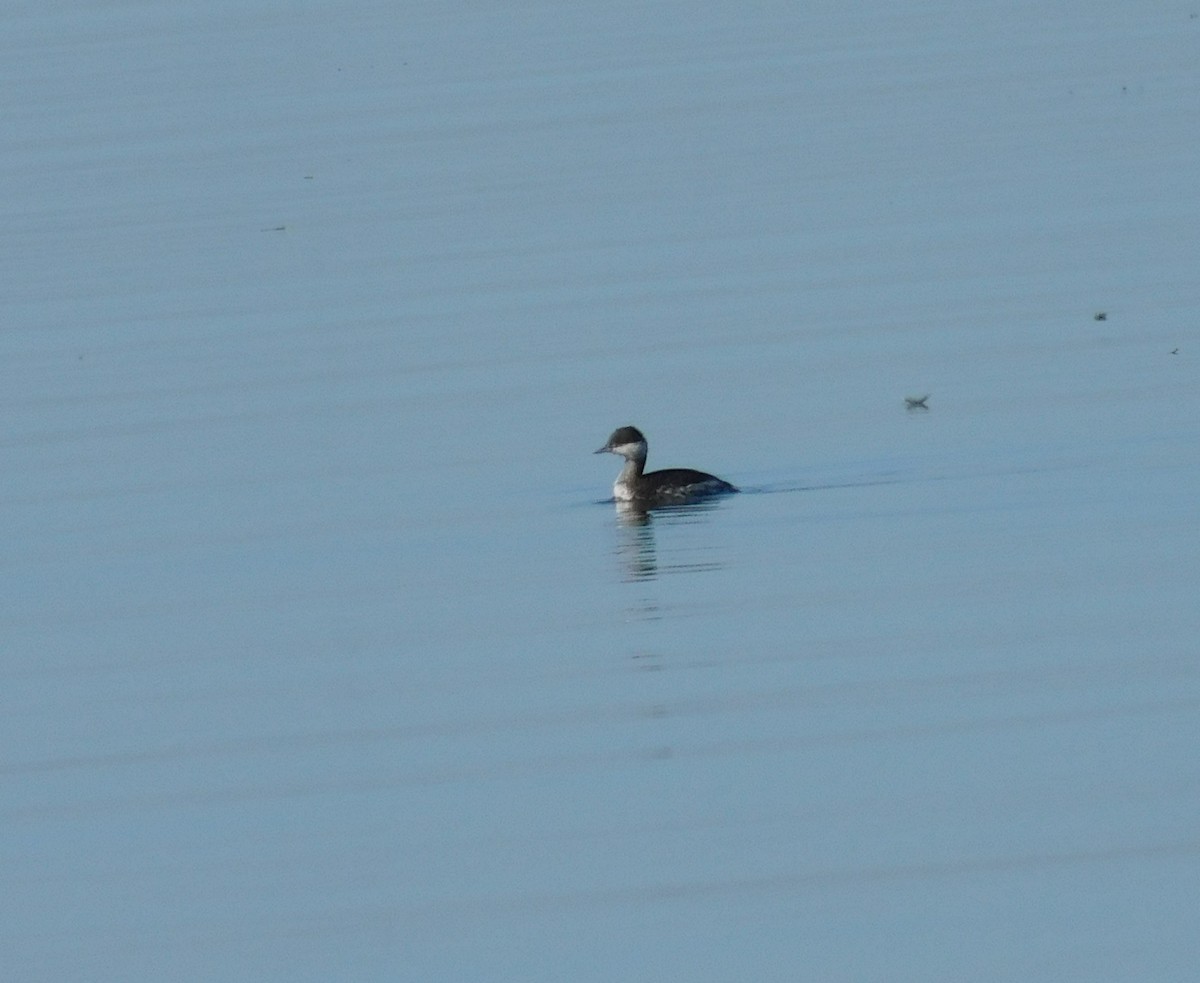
(674, 486)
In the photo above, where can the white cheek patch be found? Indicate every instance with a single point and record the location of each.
(636, 448)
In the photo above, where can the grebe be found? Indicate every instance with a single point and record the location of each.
(674, 486)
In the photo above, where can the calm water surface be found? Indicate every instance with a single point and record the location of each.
(325, 654)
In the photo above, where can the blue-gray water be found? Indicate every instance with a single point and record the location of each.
(323, 655)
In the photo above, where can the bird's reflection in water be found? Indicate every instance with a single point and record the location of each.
(638, 549)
